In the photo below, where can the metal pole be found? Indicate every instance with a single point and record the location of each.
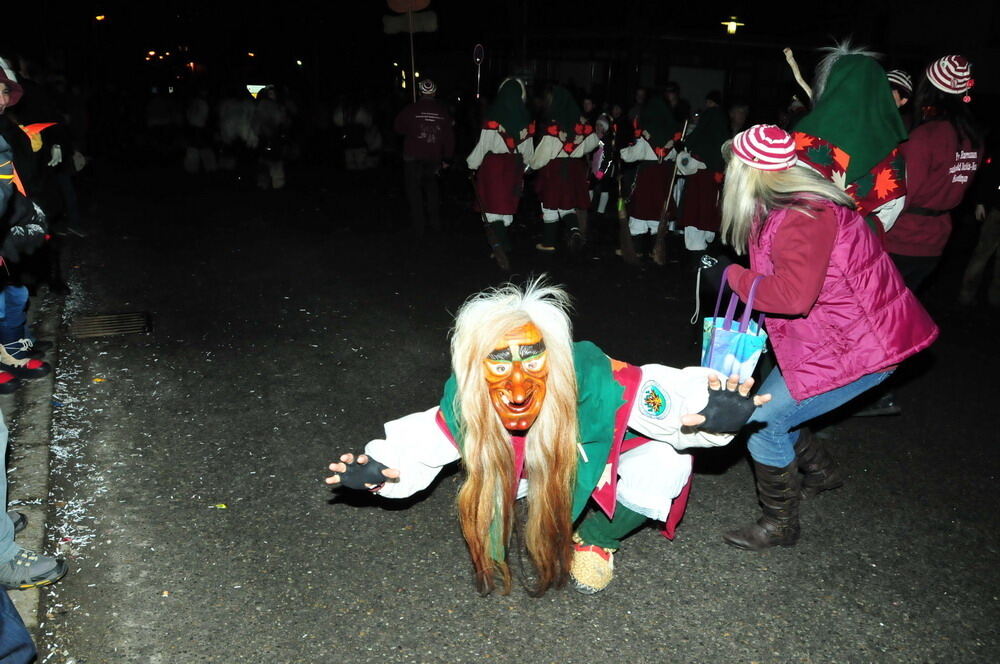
(413, 63)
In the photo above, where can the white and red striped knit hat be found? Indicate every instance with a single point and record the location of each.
(951, 74)
(900, 79)
(765, 147)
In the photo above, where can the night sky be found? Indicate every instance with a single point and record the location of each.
(341, 44)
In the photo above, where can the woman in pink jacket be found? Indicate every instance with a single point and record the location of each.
(838, 316)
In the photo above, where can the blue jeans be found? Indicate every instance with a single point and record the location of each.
(13, 313)
(774, 443)
(16, 646)
(7, 546)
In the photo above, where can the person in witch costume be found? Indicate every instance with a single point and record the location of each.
(561, 182)
(505, 143)
(592, 445)
(852, 135)
(699, 215)
(650, 156)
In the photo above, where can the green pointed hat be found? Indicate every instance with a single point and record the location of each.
(508, 108)
(857, 114)
(563, 109)
(658, 121)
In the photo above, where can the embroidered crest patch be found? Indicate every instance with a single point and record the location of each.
(655, 403)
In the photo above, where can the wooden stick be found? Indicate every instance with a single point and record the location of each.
(659, 244)
(790, 59)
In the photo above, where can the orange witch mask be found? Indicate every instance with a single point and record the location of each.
(516, 371)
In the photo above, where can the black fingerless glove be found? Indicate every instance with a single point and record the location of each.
(726, 412)
(358, 475)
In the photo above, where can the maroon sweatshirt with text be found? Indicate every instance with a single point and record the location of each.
(939, 170)
(428, 130)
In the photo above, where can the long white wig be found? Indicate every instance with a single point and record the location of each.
(486, 499)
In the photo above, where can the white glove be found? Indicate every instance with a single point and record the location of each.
(56, 155)
(79, 161)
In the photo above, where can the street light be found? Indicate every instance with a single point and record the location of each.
(100, 17)
(732, 24)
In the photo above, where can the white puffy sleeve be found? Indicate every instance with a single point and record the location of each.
(638, 151)
(665, 395)
(586, 146)
(527, 149)
(547, 149)
(490, 141)
(889, 211)
(417, 447)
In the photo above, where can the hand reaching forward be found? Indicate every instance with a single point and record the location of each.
(362, 474)
(727, 409)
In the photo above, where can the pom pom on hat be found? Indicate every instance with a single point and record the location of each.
(951, 74)
(428, 87)
(766, 148)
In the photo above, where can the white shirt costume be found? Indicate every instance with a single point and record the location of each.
(491, 142)
(651, 475)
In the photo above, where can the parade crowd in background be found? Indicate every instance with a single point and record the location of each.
(568, 167)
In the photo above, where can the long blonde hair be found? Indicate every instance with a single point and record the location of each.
(487, 496)
(749, 194)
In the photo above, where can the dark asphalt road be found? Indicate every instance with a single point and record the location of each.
(289, 327)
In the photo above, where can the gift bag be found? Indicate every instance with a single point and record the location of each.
(729, 348)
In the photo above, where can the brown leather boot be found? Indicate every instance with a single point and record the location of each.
(822, 472)
(778, 489)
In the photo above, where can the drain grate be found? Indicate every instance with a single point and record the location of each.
(109, 325)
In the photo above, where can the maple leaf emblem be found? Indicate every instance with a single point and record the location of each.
(839, 178)
(863, 185)
(803, 141)
(841, 157)
(884, 183)
(821, 156)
